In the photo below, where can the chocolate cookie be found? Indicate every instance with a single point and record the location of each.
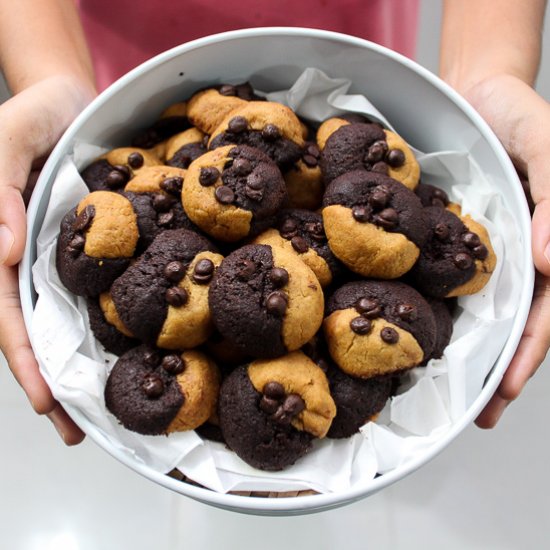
(152, 392)
(266, 301)
(112, 171)
(271, 127)
(457, 259)
(207, 108)
(374, 224)
(430, 195)
(442, 310)
(107, 327)
(233, 192)
(162, 298)
(367, 146)
(171, 121)
(329, 126)
(271, 410)
(97, 239)
(304, 180)
(182, 149)
(301, 232)
(378, 327)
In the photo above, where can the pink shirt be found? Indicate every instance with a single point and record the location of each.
(124, 33)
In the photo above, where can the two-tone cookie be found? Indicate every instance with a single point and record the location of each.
(233, 192)
(302, 232)
(374, 224)
(368, 146)
(96, 242)
(162, 298)
(271, 410)
(457, 259)
(266, 301)
(152, 392)
(378, 327)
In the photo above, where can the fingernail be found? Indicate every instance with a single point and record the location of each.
(6, 242)
(547, 253)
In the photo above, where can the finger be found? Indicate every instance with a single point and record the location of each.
(529, 355)
(16, 347)
(66, 428)
(541, 235)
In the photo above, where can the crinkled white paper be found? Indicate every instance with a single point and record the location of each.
(431, 399)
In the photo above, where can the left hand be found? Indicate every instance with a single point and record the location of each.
(520, 118)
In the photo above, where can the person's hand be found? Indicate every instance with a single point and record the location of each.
(520, 118)
(32, 122)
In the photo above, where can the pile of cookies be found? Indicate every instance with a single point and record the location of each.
(264, 281)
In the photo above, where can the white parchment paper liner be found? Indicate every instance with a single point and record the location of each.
(430, 400)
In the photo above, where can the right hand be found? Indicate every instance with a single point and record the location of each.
(32, 122)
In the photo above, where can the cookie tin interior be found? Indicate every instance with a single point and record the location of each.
(425, 112)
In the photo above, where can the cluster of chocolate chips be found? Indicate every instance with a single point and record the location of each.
(289, 229)
(242, 91)
(476, 249)
(379, 157)
(174, 272)
(280, 406)
(164, 203)
(369, 309)
(311, 154)
(377, 209)
(153, 385)
(79, 226)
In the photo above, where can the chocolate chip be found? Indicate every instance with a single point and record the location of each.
(274, 390)
(177, 296)
(360, 214)
(271, 132)
(208, 175)
(395, 158)
(151, 358)
(135, 160)
(204, 269)
(407, 312)
(437, 202)
(380, 168)
(379, 198)
(299, 244)
(278, 276)
(471, 240)
(253, 194)
(115, 179)
(389, 335)
(368, 308)
(293, 404)
(277, 303)
(224, 194)
(316, 230)
(237, 125)
(255, 181)
(174, 271)
(480, 252)
(173, 364)
(77, 243)
(165, 218)
(387, 218)
(463, 261)
(440, 195)
(152, 386)
(242, 167)
(172, 185)
(124, 170)
(247, 269)
(288, 228)
(162, 202)
(310, 161)
(442, 231)
(84, 219)
(377, 151)
(228, 90)
(268, 405)
(281, 417)
(360, 325)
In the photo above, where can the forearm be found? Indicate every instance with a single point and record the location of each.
(40, 39)
(485, 38)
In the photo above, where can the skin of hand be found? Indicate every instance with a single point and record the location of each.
(32, 122)
(490, 53)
